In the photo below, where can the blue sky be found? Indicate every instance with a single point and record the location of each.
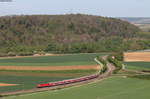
(110, 8)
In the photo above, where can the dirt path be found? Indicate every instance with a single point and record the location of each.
(50, 68)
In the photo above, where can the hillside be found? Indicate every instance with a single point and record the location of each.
(64, 33)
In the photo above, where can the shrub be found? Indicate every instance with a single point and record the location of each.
(116, 63)
(11, 54)
(1, 96)
(3, 55)
(25, 54)
(118, 56)
(103, 62)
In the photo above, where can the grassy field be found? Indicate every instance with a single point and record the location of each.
(25, 82)
(111, 88)
(65, 60)
(137, 65)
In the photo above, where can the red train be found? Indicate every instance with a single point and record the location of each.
(64, 82)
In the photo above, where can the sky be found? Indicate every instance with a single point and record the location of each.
(109, 8)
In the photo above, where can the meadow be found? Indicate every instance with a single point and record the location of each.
(111, 88)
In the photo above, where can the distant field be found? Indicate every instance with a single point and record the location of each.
(52, 64)
(137, 65)
(65, 60)
(111, 88)
(145, 27)
(137, 56)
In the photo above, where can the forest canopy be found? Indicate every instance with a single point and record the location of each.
(73, 33)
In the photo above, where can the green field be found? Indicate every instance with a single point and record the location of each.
(111, 88)
(115, 87)
(50, 72)
(137, 65)
(65, 60)
(25, 82)
(29, 79)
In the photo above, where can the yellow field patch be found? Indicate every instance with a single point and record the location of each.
(137, 56)
(5, 84)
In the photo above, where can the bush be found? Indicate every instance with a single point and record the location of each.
(3, 55)
(41, 53)
(25, 54)
(1, 96)
(103, 62)
(116, 63)
(11, 54)
(118, 56)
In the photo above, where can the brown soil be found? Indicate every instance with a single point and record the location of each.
(49, 68)
(137, 56)
(4, 84)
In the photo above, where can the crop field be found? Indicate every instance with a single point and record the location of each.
(115, 87)
(111, 88)
(28, 80)
(25, 82)
(137, 65)
(64, 60)
(26, 73)
(137, 60)
(137, 56)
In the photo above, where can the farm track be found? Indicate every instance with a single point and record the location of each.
(110, 69)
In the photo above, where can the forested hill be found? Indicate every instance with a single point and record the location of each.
(62, 33)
